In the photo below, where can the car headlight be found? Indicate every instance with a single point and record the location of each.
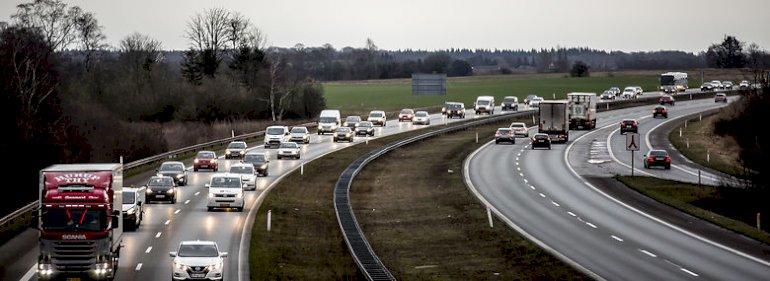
(227, 151)
(216, 266)
(171, 190)
(211, 195)
(239, 195)
(179, 176)
(130, 211)
(264, 166)
(179, 266)
(149, 191)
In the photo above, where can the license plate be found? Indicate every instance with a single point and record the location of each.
(160, 196)
(225, 205)
(628, 126)
(198, 275)
(659, 159)
(73, 279)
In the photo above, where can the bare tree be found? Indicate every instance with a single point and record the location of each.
(141, 51)
(238, 30)
(3, 25)
(52, 18)
(256, 39)
(209, 30)
(90, 35)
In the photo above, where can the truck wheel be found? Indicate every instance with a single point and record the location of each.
(195, 169)
(210, 209)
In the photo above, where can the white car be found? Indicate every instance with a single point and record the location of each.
(275, 135)
(299, 135)
(727, 85)
(377, 117)
(628, 93)
(198, 260)
(225, 191)
(639, 90)
(248, 175)
(717, 84)
(484, 104)
(133, 212)
(421, 118)
(235, 149)
(288, 150)
(535, 102)
(519, 129)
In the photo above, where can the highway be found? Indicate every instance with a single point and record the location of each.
(145, 255)
(537, 193)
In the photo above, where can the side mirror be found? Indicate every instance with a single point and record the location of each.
(207, 185)
(223, 254)
(644, 155)
(172, 254)
(244, 185)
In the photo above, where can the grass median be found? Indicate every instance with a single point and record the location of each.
(723, 151)
(425, 224)
(731, 208)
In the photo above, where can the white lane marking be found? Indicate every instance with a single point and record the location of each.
(167, 222)
(196, 193)
(591, 224)
(521, 175)
(157, 235)
(177, 211)
(689, 272)
(648, 253)
(526, 181)
(532, 187)
(518, 168)
(138, 267)
(572, 214)
(542, 195)
(555, 204)
(187, 201)
(517, 163)
(148, 250)
(31, 272)
(617, 238)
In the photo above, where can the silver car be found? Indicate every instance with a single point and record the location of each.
(299, 135)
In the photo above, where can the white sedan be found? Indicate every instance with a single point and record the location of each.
(421, 118)
(288, 150)
(299, 135)
(197, 260)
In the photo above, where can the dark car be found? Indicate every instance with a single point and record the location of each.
(660, 111)
(205, 160)
(343, 133)
(707, 87)
(721, 97)
(365, 128)
(455, 109)
(174, 170)
(258, 160)
(510, 103)
(657, 157)
(505, 135)
(629, 126)
(160, 188)
(666, 99)
(351, 121)
(541, 140)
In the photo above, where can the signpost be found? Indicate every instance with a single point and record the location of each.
(632, 144)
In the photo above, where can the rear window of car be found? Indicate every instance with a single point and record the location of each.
(541, 137)
(629, 122)
(517, 125)
(365, 124)
(658, 153)
(407, 111)
(254, 158)
(343, 129)
(242, 169)
(421, 114)
(172, 167)
(289, 145)
(299, 130)
(205, 155)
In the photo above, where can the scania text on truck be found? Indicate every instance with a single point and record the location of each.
(554, 120)
(80, 221)
(582, 110)
(329, 121)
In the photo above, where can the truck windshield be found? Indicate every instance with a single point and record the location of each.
(666, 80)
(128, 197)
(327, 119)
(74, 220)
(226, 182)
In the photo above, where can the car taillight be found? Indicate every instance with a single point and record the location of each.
(668, 159)
(650, 159)
(196, 161)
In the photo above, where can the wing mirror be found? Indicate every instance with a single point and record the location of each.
(223, 254)
(207, 185)
(172, 254)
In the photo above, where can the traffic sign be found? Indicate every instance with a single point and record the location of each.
(632, 142)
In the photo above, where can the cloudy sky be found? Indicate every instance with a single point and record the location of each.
(687, 25)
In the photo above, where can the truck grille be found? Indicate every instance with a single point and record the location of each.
(73, 255)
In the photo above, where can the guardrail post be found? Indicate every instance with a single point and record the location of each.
(302, 169)
(708, 156)
(477, 137)
(699, 182)
(687, 142)
(491, 224)
(759, 225)
(232, 133)
(606, 103)
(121, 160)
(269, 218)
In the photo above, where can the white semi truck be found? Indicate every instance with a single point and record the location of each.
(554, 120)
(582, 110)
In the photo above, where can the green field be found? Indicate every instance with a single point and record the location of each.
(392, 95)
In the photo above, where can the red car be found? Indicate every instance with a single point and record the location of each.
(406, 115)
(657, 157)
(660, 111)
(666, 99)
(629, 125)
(206, 160)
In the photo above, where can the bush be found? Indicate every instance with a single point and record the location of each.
(579, 69)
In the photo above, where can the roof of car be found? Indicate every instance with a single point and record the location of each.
(198, 242)
(541, 134)
(241, 165)
(172, 162)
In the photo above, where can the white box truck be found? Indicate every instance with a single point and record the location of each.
(554, 120)
(582, 110)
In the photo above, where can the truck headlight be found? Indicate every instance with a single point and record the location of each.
(149, 191)
(130, 211)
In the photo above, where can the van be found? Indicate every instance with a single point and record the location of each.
(485, 104)
(329, 121)
(275, 135)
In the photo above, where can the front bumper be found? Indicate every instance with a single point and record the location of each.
(225, 202)
(187, 275)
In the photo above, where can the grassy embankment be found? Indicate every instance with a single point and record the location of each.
(722, 151)
(425, 224)
(734, 209)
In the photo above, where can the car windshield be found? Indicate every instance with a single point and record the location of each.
(289, 145)
(517, 125)
(509, 100)
(482, 102)
(69, 220)
(421, 114)
(352, 119)
(365, 124)
(252, 158)
(300, 130)
(237, 145)
(407, 111)
(658, 153)
(343, 130)
(205, 155)
(327, 119)
(226, 182)
(171, 167)
(242, 169)
(197, 250)
(531, 97)
(128, 197)
(375, 114)
(275, 131)
(158, 181)
(628, 90)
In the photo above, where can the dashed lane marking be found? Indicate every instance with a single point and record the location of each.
(148, 250)
(648, 253)
(138, 267)
(617, 238)
(157, 235)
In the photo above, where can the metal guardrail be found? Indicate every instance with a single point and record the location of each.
(150, 160)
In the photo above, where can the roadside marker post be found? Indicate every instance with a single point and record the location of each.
(708, 156)
(232, 133)
(269, 218)
(477, 137)
(632, 144)
(121, 160)
(700, 117)
(759, 225)
(489, 216)
(302, 169)
(680, 132)
(699, 182)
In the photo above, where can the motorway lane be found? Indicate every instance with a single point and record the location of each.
(616, 144)
(145, 255)
(535, 191)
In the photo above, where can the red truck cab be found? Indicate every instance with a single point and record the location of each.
(80, 220)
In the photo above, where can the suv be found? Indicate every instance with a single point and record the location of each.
(666, 99)
(541, 140)
(197, 260)
(377, 117)
(175, 170)
(258, 160)
(275, 135)
(505, 135)
(720, 97)
(660, 111)
(406, 115)
(607, 95)
(225, 191)
(510, 103)
(235, 149)
(343, 133)
(205, 160)
(519, 129)
(657, 157)
(160, 188)
(365, 128)
(455, 109)
(629, 125)
(299, 135)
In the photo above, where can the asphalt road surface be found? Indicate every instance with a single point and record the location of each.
(538, 193)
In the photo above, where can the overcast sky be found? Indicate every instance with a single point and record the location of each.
(687, 25)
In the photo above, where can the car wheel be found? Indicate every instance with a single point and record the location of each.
(668, 167)
(210, 209)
